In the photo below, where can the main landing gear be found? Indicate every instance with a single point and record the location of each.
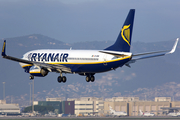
(61, 78)
(90, 78)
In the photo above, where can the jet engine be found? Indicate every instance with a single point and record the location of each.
(37, 71)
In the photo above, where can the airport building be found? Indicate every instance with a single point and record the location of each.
(147, 106)
(92, 106)
(61, 107)
(9, 109)
(124, 99)
(174, 107)
(132, 105)
(86, 106)
(116, 105)
(175, 104)
(161, 99)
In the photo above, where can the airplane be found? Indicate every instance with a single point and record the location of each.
(146, 114)
(38, 63)
(118, 114)
(174, 114)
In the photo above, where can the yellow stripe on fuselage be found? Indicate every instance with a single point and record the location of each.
(27, 65)
(35, 72)
(84, 62)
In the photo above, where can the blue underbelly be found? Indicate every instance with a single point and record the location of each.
(96, 68)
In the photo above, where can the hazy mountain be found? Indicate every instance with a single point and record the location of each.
(150, 77)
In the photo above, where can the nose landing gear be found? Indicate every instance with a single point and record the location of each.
(31, 77)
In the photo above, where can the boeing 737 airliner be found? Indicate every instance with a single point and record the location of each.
(84, 62)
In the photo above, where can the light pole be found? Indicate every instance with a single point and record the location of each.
(4, 91)
(30, 94)
(33, 96)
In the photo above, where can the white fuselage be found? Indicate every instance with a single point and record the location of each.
(119, 114)
(148, 114)
(173, 114)
(80, 61)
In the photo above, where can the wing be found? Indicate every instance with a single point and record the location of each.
(50, 67)
(140, 56)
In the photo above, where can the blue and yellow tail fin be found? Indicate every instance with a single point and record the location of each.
(123, 42)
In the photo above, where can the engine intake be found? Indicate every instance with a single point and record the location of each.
(43, 72)
(35, 71)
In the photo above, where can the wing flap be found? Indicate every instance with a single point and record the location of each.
(55, 67)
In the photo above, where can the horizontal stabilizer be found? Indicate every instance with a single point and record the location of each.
(116, 53)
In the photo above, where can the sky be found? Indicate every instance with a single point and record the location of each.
(90, 20)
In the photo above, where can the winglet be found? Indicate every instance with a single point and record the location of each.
(4, 49)
(174, 47)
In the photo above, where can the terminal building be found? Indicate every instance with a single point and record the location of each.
(61, 107)
(85, 106)
(9, 109)
(92, 106)
(132, 105)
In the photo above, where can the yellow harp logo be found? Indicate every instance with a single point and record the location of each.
(125, 33)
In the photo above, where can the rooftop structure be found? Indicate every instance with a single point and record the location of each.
(160, 99)
(54, 99)
(2, 101)
(125, 99)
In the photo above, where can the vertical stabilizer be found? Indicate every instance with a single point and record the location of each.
(141, 113)
(111, 110)
(123, 42)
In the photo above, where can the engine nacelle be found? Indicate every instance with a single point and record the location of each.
(36, 71)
